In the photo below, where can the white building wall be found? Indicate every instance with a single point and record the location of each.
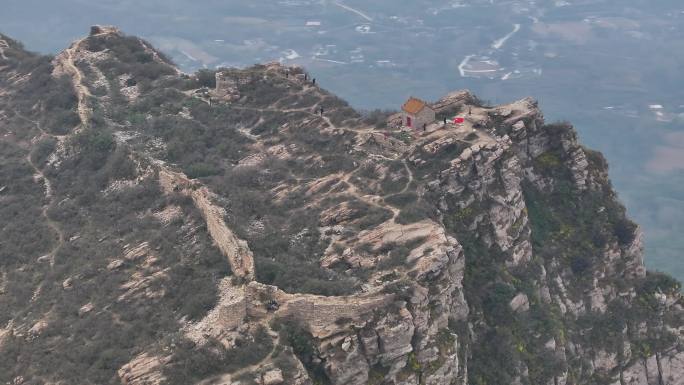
(425, 116)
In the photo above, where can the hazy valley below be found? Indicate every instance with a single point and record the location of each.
(181, 216)
(610, 67)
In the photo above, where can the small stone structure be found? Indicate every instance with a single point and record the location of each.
(416, 113)
(103, 29)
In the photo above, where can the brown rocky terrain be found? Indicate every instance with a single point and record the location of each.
(218, 228)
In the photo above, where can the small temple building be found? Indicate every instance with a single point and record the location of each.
(416, 113)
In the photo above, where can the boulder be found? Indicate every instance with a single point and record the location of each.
(273, 377)
(520, 303)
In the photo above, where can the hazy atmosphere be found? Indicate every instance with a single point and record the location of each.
(347, 192)
(612, 68)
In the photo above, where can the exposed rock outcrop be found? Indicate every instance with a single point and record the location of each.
(143, 369)
(488, 252)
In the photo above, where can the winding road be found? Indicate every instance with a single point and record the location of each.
(354, 10)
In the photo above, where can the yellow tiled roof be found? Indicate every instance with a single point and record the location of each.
(413, 105)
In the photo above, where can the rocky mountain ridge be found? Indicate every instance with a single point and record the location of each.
(217, 228)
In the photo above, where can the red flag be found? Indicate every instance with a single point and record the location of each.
(459, 120)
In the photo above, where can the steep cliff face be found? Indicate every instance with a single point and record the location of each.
(554, 275)
(248, 227)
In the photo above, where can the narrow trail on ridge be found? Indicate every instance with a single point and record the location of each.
(38, 174)
(372, 200)
(410, 176)
(236, 250)
(82, 92)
